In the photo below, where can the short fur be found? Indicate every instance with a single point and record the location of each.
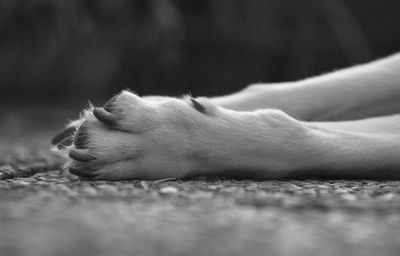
(345, 124)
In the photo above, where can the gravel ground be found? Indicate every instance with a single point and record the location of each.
(50, 213)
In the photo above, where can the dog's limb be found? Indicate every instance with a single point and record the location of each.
(366, 90)
(368, 148)
(131, 137)
(135, 138)
(379, 126)
(277, 146)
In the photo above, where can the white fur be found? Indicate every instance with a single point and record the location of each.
(244, 135)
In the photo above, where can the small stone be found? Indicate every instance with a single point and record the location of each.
(168, 190)
(20, 183)
(61, 188)
(108, 189)
(200, 194)
(349, 197)
(341, 191)
(323, 192)
(90, 191)
(144, 185)
(62, 180)
(29, 179)
(7, 172)
(215, 187)
(388, 196)
(43, 183)
(252, 187)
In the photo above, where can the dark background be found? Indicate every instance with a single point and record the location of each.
(55, 54)
(57, 50)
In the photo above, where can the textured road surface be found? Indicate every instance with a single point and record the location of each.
(51, 213)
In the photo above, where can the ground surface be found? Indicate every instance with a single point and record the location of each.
(51, 214)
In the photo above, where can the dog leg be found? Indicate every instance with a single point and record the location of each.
(366, 90)
(368, 148)
(131, 137)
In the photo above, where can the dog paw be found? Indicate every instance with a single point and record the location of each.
(65, 137)
(134, 138)
(137, 138)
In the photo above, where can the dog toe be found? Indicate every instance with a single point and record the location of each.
(109, 105)
(81, 137)
(65, 142)
(104, 116)
(82, 173)
(67, 132)
(80, 155)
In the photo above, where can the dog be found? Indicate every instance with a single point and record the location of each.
(344, 124)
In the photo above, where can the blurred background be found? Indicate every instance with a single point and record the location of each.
(56, 54)
(71, 50)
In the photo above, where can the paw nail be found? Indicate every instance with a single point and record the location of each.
(65, 142)
(80, 139)
(198, 106)
(104, 116)
(80, 156)
(63, 134)
(82, 173)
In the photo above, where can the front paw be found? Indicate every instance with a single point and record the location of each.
(133, 138)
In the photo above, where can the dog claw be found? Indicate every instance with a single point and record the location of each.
(104, 116)
(65, 142)
(63, 134)
(198, 106)
(81, 173)
(80, 156)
